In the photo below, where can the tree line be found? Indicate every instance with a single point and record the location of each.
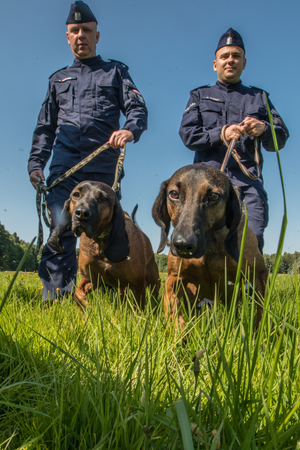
(12, 249)
(286, 262)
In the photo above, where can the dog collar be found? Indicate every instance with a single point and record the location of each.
(103, 235)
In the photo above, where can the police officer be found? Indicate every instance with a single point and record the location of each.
(80, 113)
(229, 110)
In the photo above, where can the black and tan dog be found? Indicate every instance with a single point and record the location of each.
(208, 222)
(113, 249)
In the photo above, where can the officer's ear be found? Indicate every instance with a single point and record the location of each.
(97, 37)
(67, 34)
(215, 65)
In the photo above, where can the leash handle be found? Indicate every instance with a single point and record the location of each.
(119, 170)
(230, 147)
(231, 151)
(228, 154)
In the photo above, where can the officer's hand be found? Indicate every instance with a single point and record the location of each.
(253, 127)
(234, 132)
(120, 138)
(34, 175)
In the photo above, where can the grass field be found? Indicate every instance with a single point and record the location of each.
(119, 378)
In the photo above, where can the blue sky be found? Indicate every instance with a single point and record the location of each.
(169, 47)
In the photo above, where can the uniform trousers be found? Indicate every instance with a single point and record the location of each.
(58, 270)
(256, 200)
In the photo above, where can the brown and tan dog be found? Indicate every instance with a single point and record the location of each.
(113, 249)
(208, 222)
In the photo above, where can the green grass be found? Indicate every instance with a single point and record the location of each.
(119, 378)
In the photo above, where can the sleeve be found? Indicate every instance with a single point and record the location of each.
(281, 131)
(132, 106)
(192, 132)
(44, 133)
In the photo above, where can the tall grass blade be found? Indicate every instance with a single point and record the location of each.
(284, 220)
(274, 368)
(184, 425)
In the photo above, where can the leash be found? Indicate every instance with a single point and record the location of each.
(41, 189)
(231, 151)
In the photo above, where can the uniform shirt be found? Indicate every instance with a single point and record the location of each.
(81, 111)
(210, 108)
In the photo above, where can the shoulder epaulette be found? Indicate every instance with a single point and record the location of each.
(57, 71)
(259, 89)
(200, 87)
(120, 62)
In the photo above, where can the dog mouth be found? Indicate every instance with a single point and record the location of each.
(182, 254)
(79, 227)
(78, 230)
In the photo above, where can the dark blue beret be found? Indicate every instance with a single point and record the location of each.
(231, 37)
(80, 13)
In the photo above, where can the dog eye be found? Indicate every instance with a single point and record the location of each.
(102, 198)
(76, 195)
(174, 195)
(213, 197)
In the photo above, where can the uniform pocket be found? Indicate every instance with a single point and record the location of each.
(190, 116)
(65, 94)
(256, 111)
(211, 113)
(105, 97)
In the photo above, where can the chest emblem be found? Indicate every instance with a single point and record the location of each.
(213, 99)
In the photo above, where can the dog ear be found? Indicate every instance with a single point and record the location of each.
(233, 218)
(55, 239)
(161, 216)
(118, 244)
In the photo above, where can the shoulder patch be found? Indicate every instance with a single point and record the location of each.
(259, 89)
(120, 62)
(200, 87)
(57, 71)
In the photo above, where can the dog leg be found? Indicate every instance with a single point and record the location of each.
(139, 295)
(84, 287)
(152, 277)
(172, 308)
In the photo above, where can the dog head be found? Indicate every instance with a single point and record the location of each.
(198, 200)
(94, 209)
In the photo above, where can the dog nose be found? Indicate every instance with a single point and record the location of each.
(82, 213)
(185, 245)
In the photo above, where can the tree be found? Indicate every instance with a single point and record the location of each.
(12, 249)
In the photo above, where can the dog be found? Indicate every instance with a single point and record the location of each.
(113, 250)
(205, 211)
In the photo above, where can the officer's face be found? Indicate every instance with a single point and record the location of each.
(83, 38)
(229, 64)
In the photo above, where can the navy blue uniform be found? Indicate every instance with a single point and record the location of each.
(208, 110)
(79, 114)
(81, 111)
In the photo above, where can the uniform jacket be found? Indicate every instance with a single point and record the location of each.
(210, 108)
(81, 111)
